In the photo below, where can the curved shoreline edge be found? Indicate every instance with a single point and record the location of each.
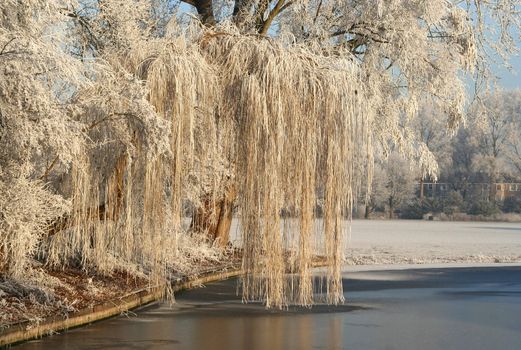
(25, 331)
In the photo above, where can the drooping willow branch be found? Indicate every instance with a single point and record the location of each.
(110, 210)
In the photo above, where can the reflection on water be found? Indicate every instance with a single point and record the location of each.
(473, 308)
(261, 333)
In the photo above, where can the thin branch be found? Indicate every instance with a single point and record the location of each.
(286, 5)
(88, 128)
(92, 40)
(259, 13)
(267, 24)
(317, 12)
(49, 168)
(5, 46)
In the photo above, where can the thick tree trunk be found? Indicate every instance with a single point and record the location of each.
(204, 9)
(222, 231)
(215, 218)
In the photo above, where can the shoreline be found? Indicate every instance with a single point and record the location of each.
(371, 245)
(397, 267)
(25, 330)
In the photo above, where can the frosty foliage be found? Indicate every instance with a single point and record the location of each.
(394, 182)
(114, 117)
(35, 125)
(26, 206)
(317, 136)
(496, 121)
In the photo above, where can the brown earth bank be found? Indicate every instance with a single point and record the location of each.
(72, 290)
(72, 297)
(55, 293)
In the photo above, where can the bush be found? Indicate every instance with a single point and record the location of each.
(453, 203)
(433, 205)
(483, 207)
(416, 209)
(413, 209)
(512, 205)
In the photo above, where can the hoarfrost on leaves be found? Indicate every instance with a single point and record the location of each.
(114, 118)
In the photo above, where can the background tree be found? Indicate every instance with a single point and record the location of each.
(396, 183)
(494, 122)
(431, 131)
(511, 108)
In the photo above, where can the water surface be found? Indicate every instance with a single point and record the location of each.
(450, 308)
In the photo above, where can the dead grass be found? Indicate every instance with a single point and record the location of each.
(73, 290)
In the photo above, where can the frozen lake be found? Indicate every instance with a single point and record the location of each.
(420, 242)
(400, 241)
(427, 307)
(449, 308)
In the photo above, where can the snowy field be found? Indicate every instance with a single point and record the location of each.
(420, 242)
(385, 242)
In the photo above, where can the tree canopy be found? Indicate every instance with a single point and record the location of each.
(116, 115)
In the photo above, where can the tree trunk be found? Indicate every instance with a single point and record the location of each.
(215, 217)
(222, 231)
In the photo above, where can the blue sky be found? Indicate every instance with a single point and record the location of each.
(510, 80)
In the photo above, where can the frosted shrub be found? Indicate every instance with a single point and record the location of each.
(26, 208)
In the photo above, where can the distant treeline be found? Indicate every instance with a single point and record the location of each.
(479, 167)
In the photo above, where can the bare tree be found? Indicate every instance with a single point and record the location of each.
(496, 126)
(512, 108)
(433, 133)
(395, 183)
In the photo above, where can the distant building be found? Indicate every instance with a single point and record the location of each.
(435, 189)
(504, 190)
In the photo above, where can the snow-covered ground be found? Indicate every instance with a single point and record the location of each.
(426, 242)
(415, 242)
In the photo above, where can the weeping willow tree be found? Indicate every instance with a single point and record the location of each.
(114, 115)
